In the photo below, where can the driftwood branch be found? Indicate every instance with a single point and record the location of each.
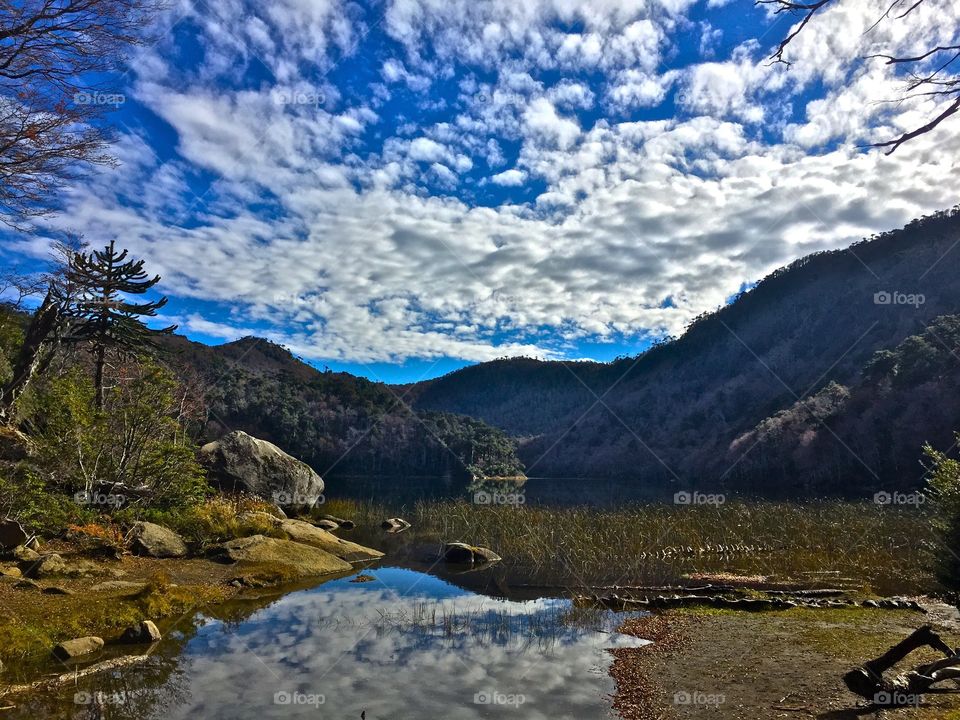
(868, 681)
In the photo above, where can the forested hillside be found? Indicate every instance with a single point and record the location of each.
(672, 414)
(338, 423)
(869, 432)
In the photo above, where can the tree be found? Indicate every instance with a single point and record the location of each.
(932, 74)
(54, 55)
(42, 336)
(101, 317)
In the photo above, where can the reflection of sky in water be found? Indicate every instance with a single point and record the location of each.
(405, 646)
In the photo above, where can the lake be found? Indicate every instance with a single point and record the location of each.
(402, 645)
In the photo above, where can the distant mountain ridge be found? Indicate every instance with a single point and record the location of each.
(672, 415)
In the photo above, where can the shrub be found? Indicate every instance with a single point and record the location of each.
(27, 498)
(943, 479)
(134, 447)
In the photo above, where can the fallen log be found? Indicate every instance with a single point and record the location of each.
(869, 682)
(73, 675)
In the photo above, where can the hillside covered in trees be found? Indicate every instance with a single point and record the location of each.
(338, 423)
(678, 413)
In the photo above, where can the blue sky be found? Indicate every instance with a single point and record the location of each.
(401, 188)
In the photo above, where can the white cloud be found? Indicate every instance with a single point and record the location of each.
(370, 220)
(511, 178)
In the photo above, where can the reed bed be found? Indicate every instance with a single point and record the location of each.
(874, 547)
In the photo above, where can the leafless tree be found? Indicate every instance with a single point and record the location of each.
(932, 73)
(54, 56)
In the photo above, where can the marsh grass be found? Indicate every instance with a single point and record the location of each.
(858, 545)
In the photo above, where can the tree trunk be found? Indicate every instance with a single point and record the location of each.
(101, 356)
(32, 354)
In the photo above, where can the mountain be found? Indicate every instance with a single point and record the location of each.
(902, 399)
(674, 414)
(338, 423)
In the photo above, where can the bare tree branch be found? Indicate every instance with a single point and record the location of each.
(53, 56)
(947, 86)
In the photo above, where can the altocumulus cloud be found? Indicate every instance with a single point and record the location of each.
(472, 180)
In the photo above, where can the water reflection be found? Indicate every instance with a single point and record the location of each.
(407, 645)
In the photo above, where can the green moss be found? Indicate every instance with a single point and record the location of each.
(31, 629)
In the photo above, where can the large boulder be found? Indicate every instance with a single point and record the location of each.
(147, 538)
(292, 558)
(238, 461)
(303, 532)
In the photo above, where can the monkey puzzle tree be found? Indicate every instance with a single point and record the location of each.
(101, 317)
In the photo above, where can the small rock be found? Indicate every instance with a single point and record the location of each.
(25, 554)
(47, 565)
(259, 516)
(363, 578)
(327, 525)
(56, 590)
(156, 541)
(26, 585)
(345, 524)
(12, 535)
(75, 648)
(394, 524)
(463, 554)
(142, 633)
(34, 544)
(11, 571)
(871, 604)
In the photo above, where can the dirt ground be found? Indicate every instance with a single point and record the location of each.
(755, 666)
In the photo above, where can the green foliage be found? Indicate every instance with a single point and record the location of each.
(919, 358)
(99, 313)
(134, 444)
(26, 497)
(11, 336)
(943, 479)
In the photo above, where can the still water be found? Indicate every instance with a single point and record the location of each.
(403, 645)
